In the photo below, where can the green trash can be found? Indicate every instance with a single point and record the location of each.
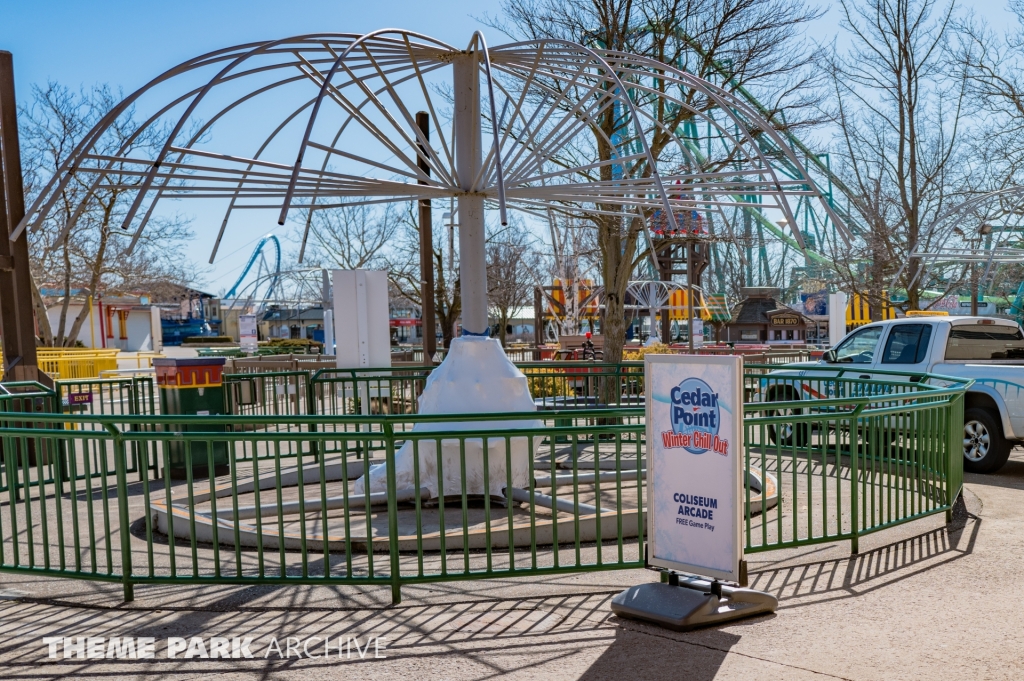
(190, 387)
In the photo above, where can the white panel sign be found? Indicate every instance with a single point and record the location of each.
(362, 332)
(694, 451)
(247, 333)
(698, 333)
(836, 318)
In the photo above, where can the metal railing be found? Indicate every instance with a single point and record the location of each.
(71, 363)
(553, 385)
(85, 363)
(130, 396)
(870, 453)
(274, 363)
(568, 493)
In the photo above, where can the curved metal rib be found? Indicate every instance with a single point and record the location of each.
(319, 100)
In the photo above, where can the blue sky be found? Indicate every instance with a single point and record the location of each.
(126, 43)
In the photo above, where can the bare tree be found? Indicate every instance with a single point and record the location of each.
(574, 257)
(85, 251)
(741, 43)
(350, 238)
(992, 61)
(899, 110)
(404, 271)
(512, 269)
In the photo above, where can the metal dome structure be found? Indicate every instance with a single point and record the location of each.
(319, 121)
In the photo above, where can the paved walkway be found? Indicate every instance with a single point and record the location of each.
(922, 601)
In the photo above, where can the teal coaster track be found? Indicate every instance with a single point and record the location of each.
(266, 279)
(751, 234)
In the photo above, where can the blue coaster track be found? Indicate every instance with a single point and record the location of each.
(273, 273)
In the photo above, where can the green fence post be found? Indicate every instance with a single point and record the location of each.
(955, 474)
(122, 512)
(314, 445)
(855, 450)
(389, 463)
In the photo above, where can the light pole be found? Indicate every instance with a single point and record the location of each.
(689, 293)
(427, 315)
(984, 230)
(450, 217)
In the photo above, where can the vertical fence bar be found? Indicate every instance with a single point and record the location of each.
(955, 454)
(389, 458)
(122, 513)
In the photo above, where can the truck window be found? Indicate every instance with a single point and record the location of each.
(859, 347)
(971, 342)
(907, 344)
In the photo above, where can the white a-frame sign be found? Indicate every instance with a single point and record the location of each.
(694, 495)
(694, 452)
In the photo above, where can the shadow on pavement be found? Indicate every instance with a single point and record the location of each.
(821, 581)
(1010, 476)
(494, 638)
(632, 655)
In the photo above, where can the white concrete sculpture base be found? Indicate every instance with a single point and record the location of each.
(476, 377)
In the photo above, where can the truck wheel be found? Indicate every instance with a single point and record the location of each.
(787, 434)
(985, 449)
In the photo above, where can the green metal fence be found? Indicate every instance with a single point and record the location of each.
(858, 456)
(554, 385)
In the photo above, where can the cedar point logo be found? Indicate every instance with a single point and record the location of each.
(696, 418)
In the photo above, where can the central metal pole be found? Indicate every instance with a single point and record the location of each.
(472, 256)
(974, 289)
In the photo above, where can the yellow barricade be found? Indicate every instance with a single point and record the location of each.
(76, 363)
(80, 363)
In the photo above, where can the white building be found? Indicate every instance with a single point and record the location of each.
(127, 323)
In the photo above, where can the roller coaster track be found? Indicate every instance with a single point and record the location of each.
(274, 273)
(826, 181)
(833, 181)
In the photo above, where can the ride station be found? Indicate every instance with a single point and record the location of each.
(472, 461)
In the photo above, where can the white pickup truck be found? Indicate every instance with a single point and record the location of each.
(989, 351)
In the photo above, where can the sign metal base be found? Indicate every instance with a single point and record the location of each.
(693, 603)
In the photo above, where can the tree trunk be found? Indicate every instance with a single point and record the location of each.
(617, 265)
(76, 327)
(503, 326)
(448, 315)
(62, 325)
(45, 332)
